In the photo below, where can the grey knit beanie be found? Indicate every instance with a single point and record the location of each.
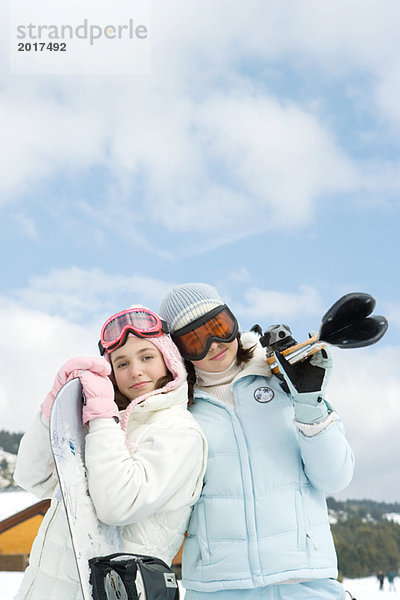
(187, 302)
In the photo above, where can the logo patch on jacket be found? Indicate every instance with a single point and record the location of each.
(264, 394)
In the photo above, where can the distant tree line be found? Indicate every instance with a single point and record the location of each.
(10, 441)
(363, 508)
(365, 541)
(364, 547)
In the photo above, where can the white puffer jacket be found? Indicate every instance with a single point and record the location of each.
(145, 480)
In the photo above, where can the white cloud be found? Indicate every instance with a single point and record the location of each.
(365, 389)
(81, 295)
(240, 276)
(184, 142)
(387, 91)
(281, 157)
(33, 346)
(339, 34)
(27, 225)
(49, 138)
(392, 313)
(121, 220)
(273, 305)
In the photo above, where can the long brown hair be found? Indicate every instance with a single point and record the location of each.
(243, 356)
(123, 402)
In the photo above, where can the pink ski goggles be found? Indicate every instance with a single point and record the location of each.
(139, 321)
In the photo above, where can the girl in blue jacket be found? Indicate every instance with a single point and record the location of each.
(260, 530)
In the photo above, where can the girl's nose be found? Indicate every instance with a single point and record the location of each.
(214, 345)
(136, 369)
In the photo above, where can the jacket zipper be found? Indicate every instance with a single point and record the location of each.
(203, 541)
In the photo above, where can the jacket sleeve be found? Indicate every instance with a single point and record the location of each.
(35, 470)
(163, 473)
(327, 457)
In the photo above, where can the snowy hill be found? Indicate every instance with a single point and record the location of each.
(395, 517)
(7, 466)
(9, 443)
(369, 511)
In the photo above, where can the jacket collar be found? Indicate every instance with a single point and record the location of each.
(258, 364)
(157, 402)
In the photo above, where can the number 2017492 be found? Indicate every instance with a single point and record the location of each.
(42, 46)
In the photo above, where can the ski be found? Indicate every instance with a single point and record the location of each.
(348, 323)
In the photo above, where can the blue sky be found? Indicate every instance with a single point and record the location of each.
(261, 154)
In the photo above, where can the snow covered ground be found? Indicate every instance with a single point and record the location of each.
(362, 589)
(368, 589)
(10, 582)
(11, 502)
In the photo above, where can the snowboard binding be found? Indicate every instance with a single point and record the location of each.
(347, 324)
(124, 576)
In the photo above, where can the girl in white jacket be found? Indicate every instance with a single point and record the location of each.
(145, 454)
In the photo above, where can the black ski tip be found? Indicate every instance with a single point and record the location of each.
(349, 323)
(361, 333)
(352, 306)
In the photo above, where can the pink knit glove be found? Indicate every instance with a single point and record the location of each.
(68, 371)
(99, 394)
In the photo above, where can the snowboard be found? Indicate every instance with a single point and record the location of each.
(90, 537)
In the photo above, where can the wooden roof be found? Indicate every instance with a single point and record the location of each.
(40, 508)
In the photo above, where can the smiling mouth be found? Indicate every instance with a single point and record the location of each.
(139, 384)
(220, 355)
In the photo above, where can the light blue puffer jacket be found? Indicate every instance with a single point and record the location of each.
(262, 516)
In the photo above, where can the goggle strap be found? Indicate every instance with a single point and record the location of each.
(164, 327)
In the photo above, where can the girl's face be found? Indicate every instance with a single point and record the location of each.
(219, 357)
(137, 365)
